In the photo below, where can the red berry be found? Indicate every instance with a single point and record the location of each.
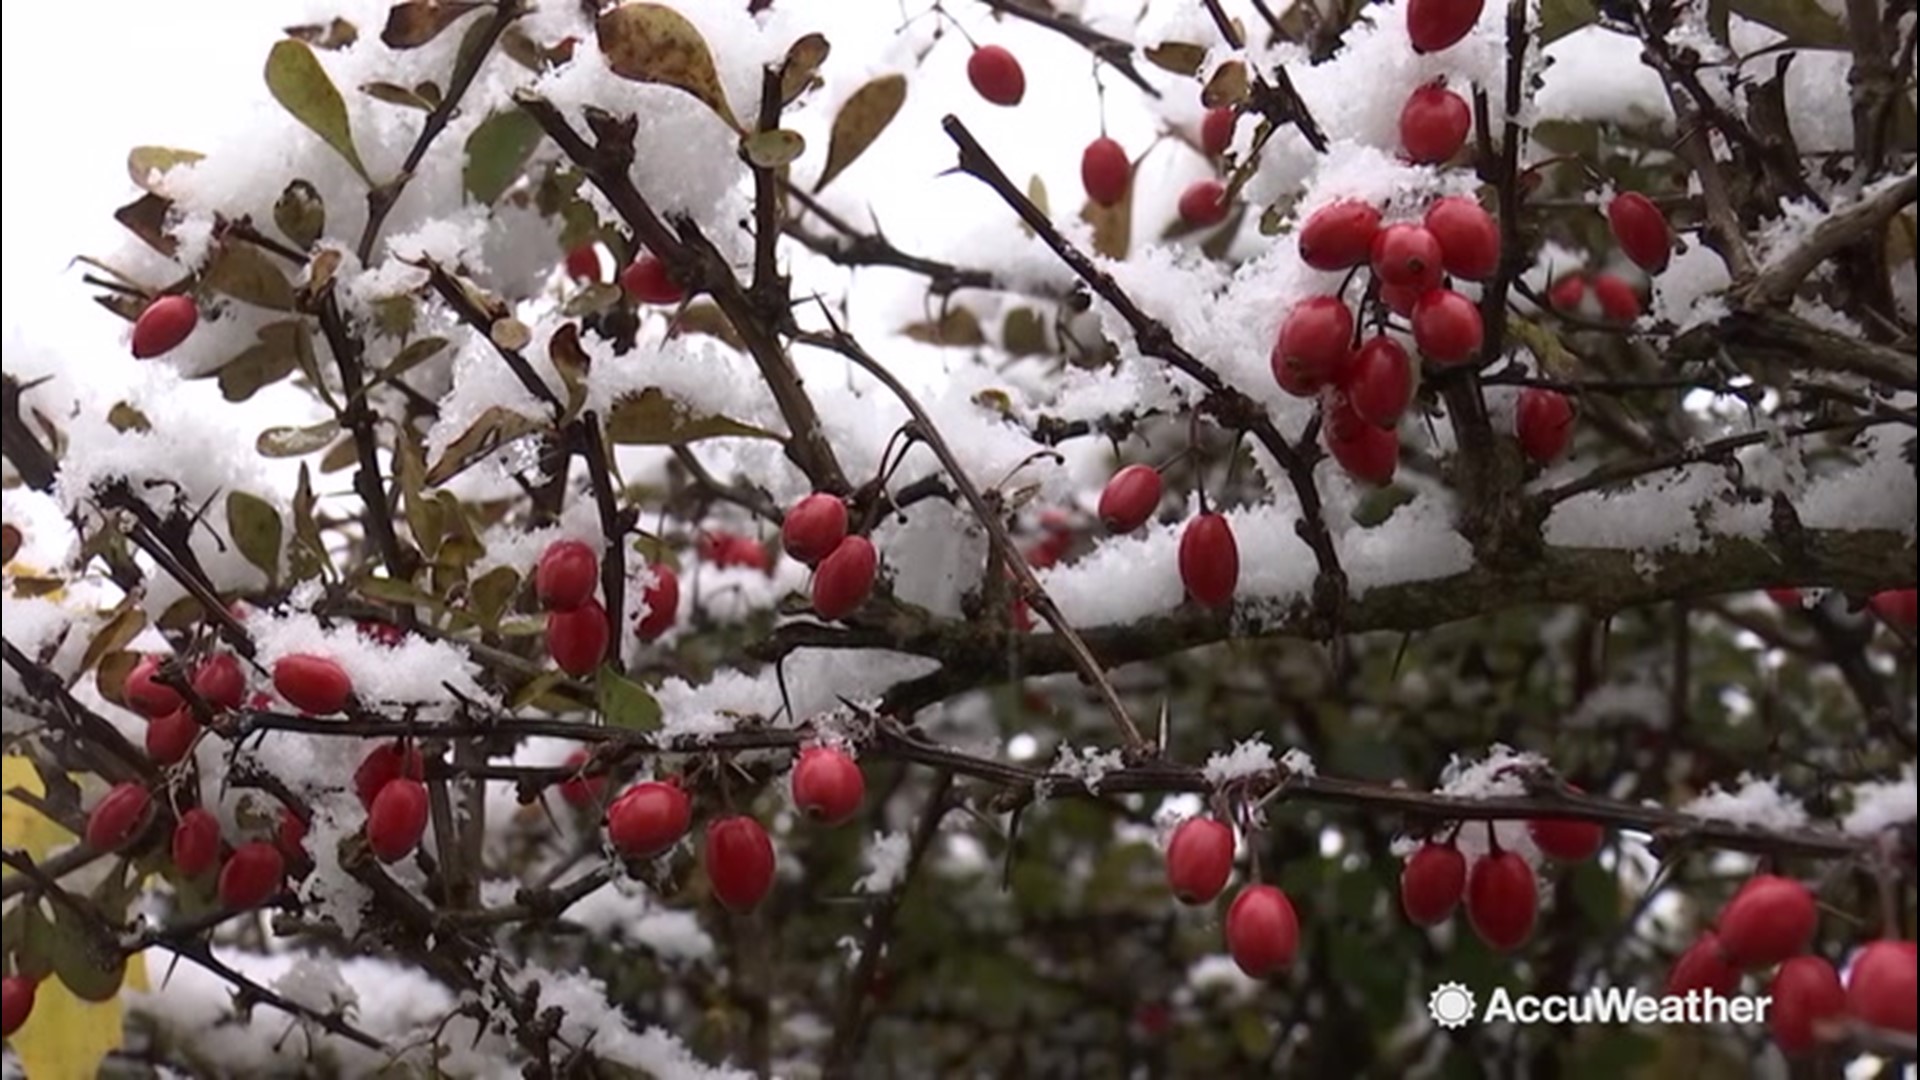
(1568, 293)
(1501, 900)
(1407, 255)
(1704, 966)
(397, 819)
(1368, 453)
(1618, 299)
(1433, 25)
(1209, 560)
(828, 785)
(16, 1003)
(1880, 988)
(647, 281)
(1130, 498)
(163, 325)
(1204, 203)
(814, 526)
(739, 861)
(1400, 299)
(312, 684)
(196, 842)
(1806, 992)
(1446, 327)
(577, 639)
(220, 680)
(663, 603)
(1216, 130)
(1380, 381)
(1105, 171)
(567, 575)
(1047, 553)
(1565, 840)
(1434, 124)
(1768, 920)
(1340, 235)
(583, 263)
(1641, 230)
(170, 737)
(290, 836)
(1897, 607)
(1543, 422)
(648, 818)
(118, 816)
(146, 694)
(1469, 238)
(580, 790)
(996, 75)
(1199, 860)
(728, 550)
(1432, 882)
(252, 876)
(844, 578)
(1263, 934)
(384, 764)
(1314, 346)
(1787, 598)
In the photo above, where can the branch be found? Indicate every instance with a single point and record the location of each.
(1858, 221)
(357, 415)
(471, 313)
(856, 248)
(382, 198)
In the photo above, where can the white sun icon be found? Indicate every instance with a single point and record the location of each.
(1451, 1005)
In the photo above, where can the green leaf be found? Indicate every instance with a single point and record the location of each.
(116, 635)
(247, 274)
(144, 161)
(285, 442)
(957, 326)
(424, 519)
(255, 526)
(1023, 333)
(395, 94)
(413, 24)
(625, 703)
(1178, 57)
(146, 218)
(88, 964)
(653, 419)
(494, 429)
(412, 356)
(393, 591)
(490, 594)
(774, 149)
(800, 70)
(497, 153)
(652, 43)
(307, 555)
(31, 940)
(860, 121)
(124, 418)
(301, 86)
(278, 355)
(1558, 18)
(300, 213)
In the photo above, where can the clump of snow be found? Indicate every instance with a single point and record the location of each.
(589, 1019)
(1757, 802)
(626, 909)
(1088, 765)
(1501, 774)
(1298, 762)
(1881, 804)
(1595, 74)
(886, 861)
(1248, 759)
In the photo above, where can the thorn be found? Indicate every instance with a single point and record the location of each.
(1401, 654)
(1163, 727)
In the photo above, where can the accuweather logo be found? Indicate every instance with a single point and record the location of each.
(1452, 1005)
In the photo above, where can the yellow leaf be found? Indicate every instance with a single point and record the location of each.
(66, 1038)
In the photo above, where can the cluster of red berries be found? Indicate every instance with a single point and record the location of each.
(1501, 894)
(1209, 556)
(172, 727)
(650, 817)
(844, 564)
(250, 874)
(565, 581)
(1771, 921)
(1641, 230)
(1262, 931)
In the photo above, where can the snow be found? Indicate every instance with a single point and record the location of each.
(1248, 759)
(1088, 765)
(886, 860)
(1757, 802)
(1881, 804)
